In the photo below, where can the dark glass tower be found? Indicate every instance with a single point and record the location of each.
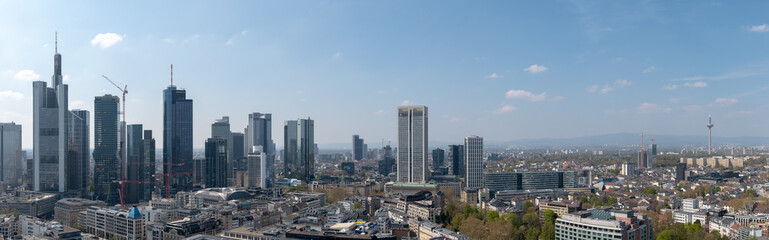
(149, 160)
(438, 156)
(79, 156)
(135, 165)
(357, 148)
(299, 142)
(216, 163)
(457, 160)
(177, 138)
(106, 145)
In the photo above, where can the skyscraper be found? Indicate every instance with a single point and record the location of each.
(387, 162)
(216, 162)
(259, 133)
(136, 164)
(221, 129)
(50, 121)
(474, 162)
(177, 138)
(257, 168)
(456, 160)
(10, 153)
(651, 152)
(438, 157)
(681, 172)
(106, 146)
(299, 144)
(412, 144)
(357, 148)
(79, 155)
(150, 168)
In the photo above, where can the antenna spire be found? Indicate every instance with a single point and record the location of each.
(56, 42)
(172, 74)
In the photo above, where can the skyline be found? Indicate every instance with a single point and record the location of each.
(520, 79)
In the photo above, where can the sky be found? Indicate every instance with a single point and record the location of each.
(503, 70)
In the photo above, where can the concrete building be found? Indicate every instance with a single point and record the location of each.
(177, 138)
(412, 144)
(66, 211)
(597, 224)
(36, 204)
(109, 223)
(50, 117)
(504, 181)
(10, 154)
(259, 133)
(79, 155)
(221, 129)
(628, 169)
(216, 162)
(106, 146)
(474, 162)
(257, 168)
(299, 149)
(560, 208)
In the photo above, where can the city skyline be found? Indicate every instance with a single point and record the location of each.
(601, 80)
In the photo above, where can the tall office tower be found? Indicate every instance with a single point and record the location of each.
(387, 162)
(299, 144)
(364, 150)
(238, 153)
(221, 129)
(10, 153)
(136, 167)
(387, 151)
(148, 158)
(79, 154)
(456, 160)
(681, 172)
(257, 168)
(628, 168)
(438, 157)
(412, 144)
(106, 148)
(259, 133)
(642, 161)
(50, 120)
(357, 148)
(474, 162)
(216, 162)
(650, 153)
(177, 138)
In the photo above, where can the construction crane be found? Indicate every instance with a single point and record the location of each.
(642, 139)
(168, 183)
(124, 90)
(123, 129)
(122, 189)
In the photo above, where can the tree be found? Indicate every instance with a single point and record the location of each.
(356, 205)
(750, 193)
(513, 219)
(531, 220)
(548, 231)
(527, 206)
(650, 191)
(532, 233)
(492, 216)
(550, 216)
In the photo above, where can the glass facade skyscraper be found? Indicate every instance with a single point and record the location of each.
(258, 133)
(79, 156)
(412, 144)
(216, 163)
(10, 153)
(299, 149)
(474, 162)
(106, 146)
(177, 138)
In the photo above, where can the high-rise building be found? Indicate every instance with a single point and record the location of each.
(628, 168)
(258, 132)
(357, 148)
(456, 160)
(50, 116)
(387, 163)
(438, 157)
(10, 153)
(412, 144)
(79, 155)
(474, 162)
(150, 166)
(257, 168)
(177, 138)
(216, 163)
(681, 172)
(106, 146)
(651, 152)
(299, 144)
(134, 163)
(221, 129)
(642, 159)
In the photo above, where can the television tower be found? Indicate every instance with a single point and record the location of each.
(710, 133)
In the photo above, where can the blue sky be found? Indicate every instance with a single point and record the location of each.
(502, 70)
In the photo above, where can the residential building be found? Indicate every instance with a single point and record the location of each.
(560, 208)
(106, 146)
(628, 169)
(474, 162)
(412, 144)
(299, 149)
(680, 172)
(216, 162)
(177, 138)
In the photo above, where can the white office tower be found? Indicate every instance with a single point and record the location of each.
(412, 144)
(474, 162)
(257, 167)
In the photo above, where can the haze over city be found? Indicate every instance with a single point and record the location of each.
(504, 71)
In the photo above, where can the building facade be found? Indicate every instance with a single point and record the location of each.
(106, 146)
(221, 129)
(474, 162)
(438, 158)
(504, 181)
(299, 149)
(79, 155)
(66, 211)
(177, 138)
(112, 224)
(456, 160)
(10, 153)
(216, 163)
(258, 132)
(613, 224)
(412, 144)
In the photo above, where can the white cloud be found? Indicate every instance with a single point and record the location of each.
(105, 40)
(592, 89)
(379, 112)
(76, 104)
(557, 98)
(494, 75)
(726, 76)
(650, 69)
(606, 89)
(696, 84)
(504, 109)
(619, 83)
(11, 95)
(526, 95)
(670, 87)
(651, 108)
(622, 83)
(725, 101)
(244, 32)
(66, 77)
(405, 103)
(759, 28)
(337, 54)
(26, 75)
(229, 42)
(535, 68)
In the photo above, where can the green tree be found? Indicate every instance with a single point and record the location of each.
(528, 206)
(356, 205)
(531, 220)
(549, 216)
(532, 233)
(548, 231)
(513, 219)
(492, 216)
(650, 191)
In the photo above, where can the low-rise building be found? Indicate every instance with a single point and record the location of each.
(111, 223)
(67, 210)
(604, 224)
